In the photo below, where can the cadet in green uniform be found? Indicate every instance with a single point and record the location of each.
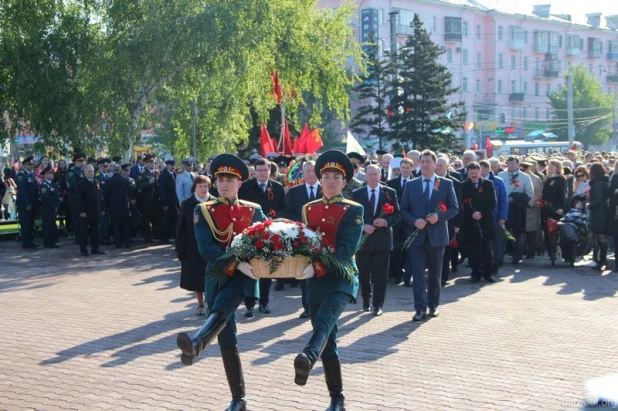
(50, 199)
(146, 183)
(75, 174)
(216, 224)
(329, 290)
(352, 185)
(101, 176)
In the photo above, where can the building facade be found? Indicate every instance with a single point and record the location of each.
(505, 62)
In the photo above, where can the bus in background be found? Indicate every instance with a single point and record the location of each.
(522, 147)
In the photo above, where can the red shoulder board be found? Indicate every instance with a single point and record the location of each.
(325, 218)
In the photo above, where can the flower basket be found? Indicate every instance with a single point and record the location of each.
(291, 267)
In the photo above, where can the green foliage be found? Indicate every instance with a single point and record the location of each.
(592, 109)
(371, 118)
(420, 97)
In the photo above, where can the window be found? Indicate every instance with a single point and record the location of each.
(500, 33)
(525, 113)
(512, 112)
(612, 46)
(404, 19)
(465, 56)
(513, 86)
(548, 89)
(500, 62)
(513, 62)
(449, 55)
(464, 29)
(478, 32)
(525, 90)
(478, 86)
(526, 63)
(464, 84)
(499, 86)
(452, 29)
(519, 34)
(434, 24)
(479, 59)
(590, 68)
(536, 113)
(547, 113)
(600, 70)
(536, 89)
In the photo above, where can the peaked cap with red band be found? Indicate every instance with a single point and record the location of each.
(334, 160)
(231, 165)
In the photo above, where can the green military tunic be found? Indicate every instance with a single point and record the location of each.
(351, 186)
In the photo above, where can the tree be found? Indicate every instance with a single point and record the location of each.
(422, 114)
(592, 109)
(371, 118)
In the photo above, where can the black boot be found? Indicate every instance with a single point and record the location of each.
(304, 362)
(602, 257)
(332, 375)
(192, 347)
(235, 379)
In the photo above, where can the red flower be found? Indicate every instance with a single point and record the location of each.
(265, 235)
(442, 206)
(388, 209)
(260, 228)
(251, 231)
(325, 241)
(468, 201)
(303, 240)
(453, 244)
(275, 238)
(272, 213)
(295, 244)
(267, 223)
(541, 203)
(516, 183)
(259, 244)
(278, 246)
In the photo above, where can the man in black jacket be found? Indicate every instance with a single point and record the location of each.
(399, 231)
(88, 197)
(479, 200)
(27, 201)
(373, 256)
(117, 197)
(295, 199)
(146, 189)
(168, 201)
(270, 195)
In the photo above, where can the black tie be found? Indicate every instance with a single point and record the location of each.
(403, 182)
(372, 201)
(311, 193)
(426, 191)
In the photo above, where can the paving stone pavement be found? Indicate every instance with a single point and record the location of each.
(99, 333)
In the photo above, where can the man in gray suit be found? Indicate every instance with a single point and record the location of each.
(422, 200)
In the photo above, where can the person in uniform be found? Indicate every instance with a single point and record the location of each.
(352, 185)
(136, 215)
(117, 198)
(269, 194)
(228, 283)
(90, 209)
(101, 177)
(184, 180)
(27, 200)
(357, 159)
(330, 289)
(50, 201)
(146, 182)
(74, 175)
(168, 202)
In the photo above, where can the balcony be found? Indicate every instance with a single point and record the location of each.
(545, 73)
(612, 78)
(516, 97)
(546, 48)
(594, 54)
(452, 37)
(551, 73)
(573, 51)
(403, 29)
(612, 56)
(517, 44)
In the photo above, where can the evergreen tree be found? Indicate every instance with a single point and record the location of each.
(421, 113)
(371, 118)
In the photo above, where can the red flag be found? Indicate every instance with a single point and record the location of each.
(287, 140)
(300, 143)
(489, 149)
(266, 143)
(277, 87)
(313, 141)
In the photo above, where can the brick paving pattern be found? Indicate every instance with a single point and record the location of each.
(99, 333)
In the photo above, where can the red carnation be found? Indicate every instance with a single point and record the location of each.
(295, 244)
(388, 209)
(275, 238)
(259, 244)
(453, 244)
(265, 235)
(442, 206)
(267, 223)
(251, 231)
(325, 241)
(272, 213)
(260, 228)
(278, 246)
(468, 201)
(303, 240)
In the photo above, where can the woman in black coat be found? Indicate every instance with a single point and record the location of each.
(554, 196)
(599, 210)
(193, 266)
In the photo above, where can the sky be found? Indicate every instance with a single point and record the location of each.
(574, 7)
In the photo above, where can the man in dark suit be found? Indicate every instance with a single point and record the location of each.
(295, 199)
(373, 257)
(90, 209)
(168, 201)
(50, 201)
(270, 195)
(479, 203)
(27, 201)
(117, 196)
(137, 169)
(385, 162)
(428, 203)
(146, 189)
(399, 231)
(415, 156)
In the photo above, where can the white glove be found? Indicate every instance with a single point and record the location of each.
(246, 269)
(308, 272)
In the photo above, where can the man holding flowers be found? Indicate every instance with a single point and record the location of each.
(228, 282)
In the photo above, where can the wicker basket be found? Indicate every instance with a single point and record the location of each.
(291, 267)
